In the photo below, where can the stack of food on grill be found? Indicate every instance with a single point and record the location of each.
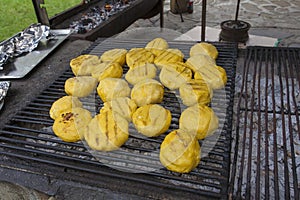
(136, 97)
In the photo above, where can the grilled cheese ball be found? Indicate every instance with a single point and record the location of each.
(180, 152)
(204, 48)
(62, 104)
(207, 70)
(199, 120)
(139, 73)
(195, 92)
(71, 125)
(114, 55)
(122, 105)
(200, 61)
(107, 70)
(138, 57)
(156, 45)
(152, 120)
(173, 75)
(111, 88)
(168, 56)
(107, 131)
(216, 85)
(83, 65)
(148, 91)
(80, 86)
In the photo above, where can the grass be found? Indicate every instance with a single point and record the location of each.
(16, 15)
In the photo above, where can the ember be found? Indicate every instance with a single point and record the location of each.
(266, 162)
(98, 15)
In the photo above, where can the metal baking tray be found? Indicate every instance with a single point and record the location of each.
(22, 65)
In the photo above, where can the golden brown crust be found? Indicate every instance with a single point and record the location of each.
(205, 67)
(107, 70)
(195, 92)
(180, 152)
(139, 73)
(80, 86)
(114, 55)
(107, 131)
(168, 56)
(111, 88)
(71, 125)
(138, 57)
(173, 75)
(152, 120)
(83, 64)
(148, 91)
(204, 48)
(124, 106)
(157, 45)
(62, 104)
(200, 120)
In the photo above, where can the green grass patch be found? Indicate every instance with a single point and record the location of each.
(16, 15)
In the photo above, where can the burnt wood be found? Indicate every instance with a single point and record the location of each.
(115, 24)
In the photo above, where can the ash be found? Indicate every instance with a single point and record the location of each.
(268, 155)
(98, 15)
(277, 94)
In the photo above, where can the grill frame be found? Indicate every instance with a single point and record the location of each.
(274, 66)
(40, 105)
(113, 25)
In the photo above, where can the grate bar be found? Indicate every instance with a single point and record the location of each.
(35, 115)
(276, 171)
(32, 121)
(109, 156)
(288, 74)
(56, 93)
(22, 136)
(36, 154)
(286, 175)
(295, 68)
(265, 163)
(117, 176)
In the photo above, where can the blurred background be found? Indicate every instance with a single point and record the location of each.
(16, 15)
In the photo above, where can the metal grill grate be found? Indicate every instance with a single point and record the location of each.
(29, 136)
(267, 150)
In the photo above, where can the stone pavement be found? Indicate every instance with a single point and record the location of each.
(278, 19)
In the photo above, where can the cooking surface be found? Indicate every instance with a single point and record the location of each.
(266, 66)
(266, 162)
(29, 136)
(23, 91)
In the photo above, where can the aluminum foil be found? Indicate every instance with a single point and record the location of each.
(4, 85)
(23, 42)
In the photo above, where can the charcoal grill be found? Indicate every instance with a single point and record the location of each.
(134, 169)
(113, 25)
(266, 161)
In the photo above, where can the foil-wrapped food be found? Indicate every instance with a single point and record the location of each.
(23, 42)
(4, 86)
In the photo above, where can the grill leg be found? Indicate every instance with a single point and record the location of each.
(203, 21)
(41, 13)
(161, 12)
(158, 9)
